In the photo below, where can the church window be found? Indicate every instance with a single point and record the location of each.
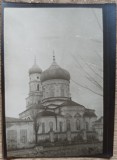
(51, 126)
(43, 127)
(52, 92)
(23, 136)
(68, 125)
(61, 126)
(77, 124)
(77, 115)
(62, 92)
(37, 87)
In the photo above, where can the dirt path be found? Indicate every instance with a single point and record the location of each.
(61, 151)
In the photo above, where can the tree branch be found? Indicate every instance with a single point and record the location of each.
(85, 87)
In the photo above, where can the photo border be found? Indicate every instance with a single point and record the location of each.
(109, 58)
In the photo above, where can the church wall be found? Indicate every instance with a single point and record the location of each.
(33, 99)
(75, 116)
(34, 76)
(35, 86)
(35, 90)
(35, 83)
(55, 88)
(72, 112)
(46, 121)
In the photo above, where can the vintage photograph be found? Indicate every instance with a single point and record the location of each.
(53, 62)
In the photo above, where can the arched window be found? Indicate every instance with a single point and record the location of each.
(52, 91)
(51, 126)
(43, 127)
(68, 125)
(61, 126)
(62, 91)
(77, 124)
(37, 87)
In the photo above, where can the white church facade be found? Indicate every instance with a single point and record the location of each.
(51, 114)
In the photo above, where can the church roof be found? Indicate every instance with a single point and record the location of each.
(12, 119)
(100, 120)
(71, 103)
(35, 106)
(89, 114)
(47, 114)
(55, 72)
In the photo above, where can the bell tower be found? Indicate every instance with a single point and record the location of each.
(35, 87)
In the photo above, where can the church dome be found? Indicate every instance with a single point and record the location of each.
(35, 69)
(55, 72)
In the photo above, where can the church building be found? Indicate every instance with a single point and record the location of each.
(50, 114)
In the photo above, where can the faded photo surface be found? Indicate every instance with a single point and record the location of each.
(53, 81)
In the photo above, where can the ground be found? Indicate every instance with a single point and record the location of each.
(59, 151)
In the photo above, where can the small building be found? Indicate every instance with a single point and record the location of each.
(98, 127)
(19, 133)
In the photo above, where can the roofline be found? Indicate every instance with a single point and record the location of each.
(59, 98)
(29, 109)
(69, 105)
(54, 79)
(51, 116)
(18, 121)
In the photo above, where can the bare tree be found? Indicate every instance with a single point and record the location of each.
(89, 77)
(34, 115)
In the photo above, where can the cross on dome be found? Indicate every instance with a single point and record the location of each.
(53, 56)
(35, 68)
(35, 60)
(55, 72)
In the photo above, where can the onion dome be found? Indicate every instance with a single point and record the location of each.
(55, 72)
(35, 68)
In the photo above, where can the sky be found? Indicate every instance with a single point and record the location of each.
(76, 37)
